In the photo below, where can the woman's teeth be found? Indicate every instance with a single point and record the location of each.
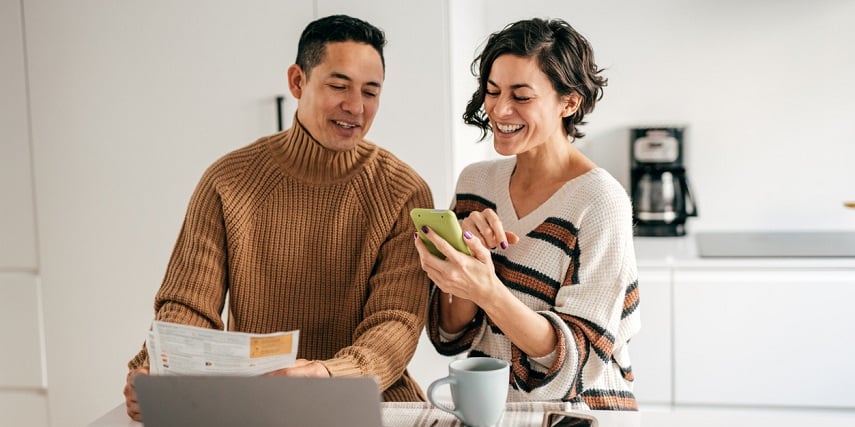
(345, 125)
(508, 128)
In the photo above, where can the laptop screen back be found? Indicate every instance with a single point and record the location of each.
(258, 401)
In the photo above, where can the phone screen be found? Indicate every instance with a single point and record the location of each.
(564, 419)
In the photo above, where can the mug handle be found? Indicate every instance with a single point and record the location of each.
(447, 380)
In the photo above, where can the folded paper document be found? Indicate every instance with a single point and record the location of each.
(176, 349)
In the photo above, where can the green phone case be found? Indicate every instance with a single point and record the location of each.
(444, 223)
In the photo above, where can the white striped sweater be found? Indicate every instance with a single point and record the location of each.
(575, 265)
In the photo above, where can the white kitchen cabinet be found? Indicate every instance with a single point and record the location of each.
(651, 348)
(775, 337)
(23, 408)
(21, 355)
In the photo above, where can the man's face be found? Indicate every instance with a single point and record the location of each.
(338, 99)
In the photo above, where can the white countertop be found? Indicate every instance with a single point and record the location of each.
(682, 252)
(527, 414)
(646, 417)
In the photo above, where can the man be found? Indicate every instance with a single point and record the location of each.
(309, 228)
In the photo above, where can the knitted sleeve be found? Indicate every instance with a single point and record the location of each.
(590, 308)
(463, 341)
(396, 307)
(194, 287)
(462, 205)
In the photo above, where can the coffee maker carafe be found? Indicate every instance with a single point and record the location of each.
(661, 197)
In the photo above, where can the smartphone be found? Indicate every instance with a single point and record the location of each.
(568, 419)
(442, 222)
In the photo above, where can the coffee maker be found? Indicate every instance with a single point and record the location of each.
(661, 197)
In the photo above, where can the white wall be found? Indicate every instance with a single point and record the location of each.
(468, 34)
(17, 222)
(131, 101)
(23, 387)
(764, 87)
(412, 121)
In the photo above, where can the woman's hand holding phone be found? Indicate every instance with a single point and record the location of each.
(443, 224)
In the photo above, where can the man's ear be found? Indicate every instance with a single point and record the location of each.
(571, 104)
(296, 80)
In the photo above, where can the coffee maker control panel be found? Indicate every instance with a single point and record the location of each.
(656, 146)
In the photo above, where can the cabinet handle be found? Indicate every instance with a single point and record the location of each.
(849, 204)
(279, 100)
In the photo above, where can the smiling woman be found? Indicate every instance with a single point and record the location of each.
(550, 232)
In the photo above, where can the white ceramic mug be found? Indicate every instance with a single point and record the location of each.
(479, 390)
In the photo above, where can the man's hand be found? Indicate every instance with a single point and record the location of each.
(131, 404)
(303, 368)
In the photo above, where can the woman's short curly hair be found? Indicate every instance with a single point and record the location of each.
(563, 54)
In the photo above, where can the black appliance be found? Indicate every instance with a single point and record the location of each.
(661, 197)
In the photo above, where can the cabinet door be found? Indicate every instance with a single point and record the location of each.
(651, 348)
(764, 337)
(23, 408)
(22, 348)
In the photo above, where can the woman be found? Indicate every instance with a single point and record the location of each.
(551, 285)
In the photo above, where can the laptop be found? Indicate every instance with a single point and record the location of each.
(258, 401)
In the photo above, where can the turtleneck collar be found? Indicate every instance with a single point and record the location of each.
(304, 158)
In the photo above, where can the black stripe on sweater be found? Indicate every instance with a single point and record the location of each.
(501, 262)
(632, 296)
(554, 240)
(530, 379)
(467, 203)
(461, 343)
(595, 334)
(527, 378)
(583, 347)
(615, 400)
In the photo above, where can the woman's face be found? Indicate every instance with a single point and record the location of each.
(524, 109)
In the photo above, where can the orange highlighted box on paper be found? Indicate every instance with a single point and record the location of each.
(270, 346)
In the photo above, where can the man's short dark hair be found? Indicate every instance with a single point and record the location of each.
(336, 28)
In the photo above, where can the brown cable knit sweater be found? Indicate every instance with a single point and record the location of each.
(306, 238)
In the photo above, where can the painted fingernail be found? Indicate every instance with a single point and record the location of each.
(504, 245)
(415, 235)
(467, 235)
(424, 229)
